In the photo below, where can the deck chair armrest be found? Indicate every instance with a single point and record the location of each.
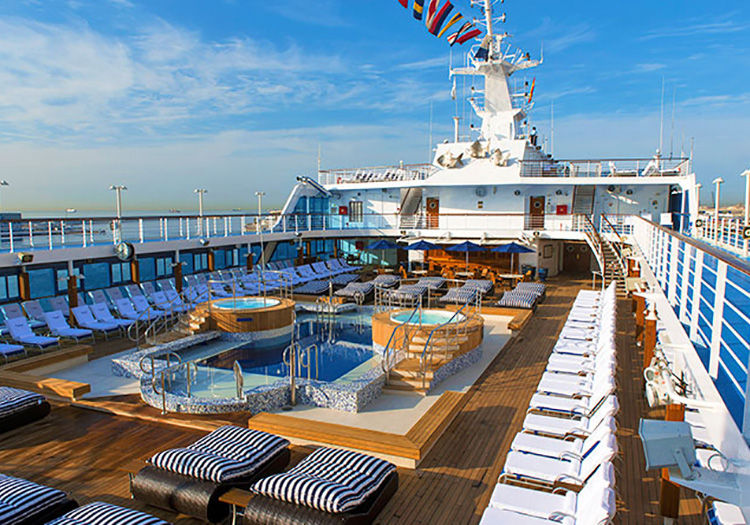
(569, 455)
(567, 479)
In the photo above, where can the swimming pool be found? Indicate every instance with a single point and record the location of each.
(245, 303)
(427, 317)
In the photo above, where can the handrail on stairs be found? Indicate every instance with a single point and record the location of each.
(616, 248)
(595, 240)
(385, 363)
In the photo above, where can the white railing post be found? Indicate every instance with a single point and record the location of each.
(166, 228)
(718, 318)
(31, 234)
(187, 227)
(62, 233)
(91, 231)
(140, 229)
(49, 233)
(697, 284)
(10, 232)
(83, 232)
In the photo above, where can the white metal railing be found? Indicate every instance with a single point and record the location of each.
(729, 233)
(709, 294)
(653, 167)
(376, 174)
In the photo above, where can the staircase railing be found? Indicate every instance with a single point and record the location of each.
(595, 241)
(154, 326)
(405, 327)
(617, 249)
(452, 332)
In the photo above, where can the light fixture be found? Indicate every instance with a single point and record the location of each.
(203, 242)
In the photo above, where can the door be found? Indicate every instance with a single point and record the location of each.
(576, 258)
(536, 213)
(433, 212)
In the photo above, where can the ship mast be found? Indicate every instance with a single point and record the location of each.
(488, 19)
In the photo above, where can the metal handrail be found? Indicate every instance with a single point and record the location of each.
(616, 248)
(429, 343)
(592, 234)
(387, 350)
(145, 315)
(239, 380)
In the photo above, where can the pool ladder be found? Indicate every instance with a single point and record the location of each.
(298, 359)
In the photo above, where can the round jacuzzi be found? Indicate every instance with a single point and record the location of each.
(428, 317)
(245, 303)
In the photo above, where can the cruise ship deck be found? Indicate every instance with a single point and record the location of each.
(86, 451)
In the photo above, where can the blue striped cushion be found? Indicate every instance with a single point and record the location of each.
(344, 278)
(353, 288)
(20, 498)
(225, 454)
(13, 400)
(480, 284)
(313, 288)
(330, 480)
(99, 513)
(433, 283)
(537, 288)
(459, 295)
(518, 299)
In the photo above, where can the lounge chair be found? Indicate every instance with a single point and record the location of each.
(60, 304)
(344, 279)
(570, 469)
(14, 311)
(166, 284)
(102, 313)
(21, 332)
(141, 304)
(313, 288)
(34, 310)
(593, 505)
(387, 280)
(162, 302)
(133, 290)
(18, 408)
(571, 406)
(100, 513)
(218, 290)
(460, 295)
(328, 486)
(84, 317)
(148, 287)
(114, 294)
(351, 290)
(190, 480)
(98, 296)
(557, 448)
(324, 272)
(24, 502)
(565, 428)
(518, 299)
(174, 298)
(7, 350)
(126, 310)
(59, 327)
(433, 283)
(485, 285)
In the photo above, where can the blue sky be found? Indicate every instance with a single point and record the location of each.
(236, 96)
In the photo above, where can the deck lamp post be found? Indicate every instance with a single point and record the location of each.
(200, 193)
(118, 198)
(260, 195)
(718, 181)
(3, 183)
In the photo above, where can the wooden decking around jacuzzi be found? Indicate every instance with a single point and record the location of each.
(81, 451)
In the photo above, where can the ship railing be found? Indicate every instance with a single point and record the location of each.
(724, 231)
(162, 381)
(614, 168)
(595, 242)
(404, 172)
(152, 317)
(618, 247)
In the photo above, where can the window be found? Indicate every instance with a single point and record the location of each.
(120, 273)
(163, 266)
(356, 211)
(9, 288)
(200, 262)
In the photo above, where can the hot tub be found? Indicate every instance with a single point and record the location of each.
(245, 303)
(428, 317)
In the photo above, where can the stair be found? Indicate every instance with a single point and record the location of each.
(583, 200)
(192, 323)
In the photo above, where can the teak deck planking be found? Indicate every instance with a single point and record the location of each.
(83, 451)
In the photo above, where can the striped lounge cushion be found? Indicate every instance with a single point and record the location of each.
(459, 295)
(344, 278)
(313, 288)
(225, 454)
(518, 299)
(99, 513)
(386, 281)
(351, 289)
(13, 400)
(481, 284)
(433, 283)
(330, 480)
(537, 288)
(19, 499)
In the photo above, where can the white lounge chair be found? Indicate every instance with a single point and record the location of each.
(594, 504)
(127, 311)
(20, 331)
(7, 350)
(85, 318)
(102, 313)
(570, 470)
(174, 298)
(556, 448)
(143, 307)
(98, 296)
(578, 387)
(59, 327)
(60, 304)
(585, 367)
(114, 294)
(14, 311)
(162, 302)
(561, 427)
(34, 310)
(572, 406)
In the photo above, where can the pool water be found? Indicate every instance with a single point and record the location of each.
(245, 303)
(344, 352)
(428, 317)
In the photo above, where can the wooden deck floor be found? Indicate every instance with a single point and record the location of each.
(80, 450)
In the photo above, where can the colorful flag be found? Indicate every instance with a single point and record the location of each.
(483, 52)
(531, 91)
(456, 18)
(440, 18)
(454, 36)
(418, 9)
(431, 11)
(404, 3)
(468, 36)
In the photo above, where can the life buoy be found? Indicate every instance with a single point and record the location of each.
(432, 205)
(746, 232)
(699, 223)
(338, 181)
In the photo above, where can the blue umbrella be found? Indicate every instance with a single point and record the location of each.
(512, 248)
(421, 245)
(383, 245)
(466, 246)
